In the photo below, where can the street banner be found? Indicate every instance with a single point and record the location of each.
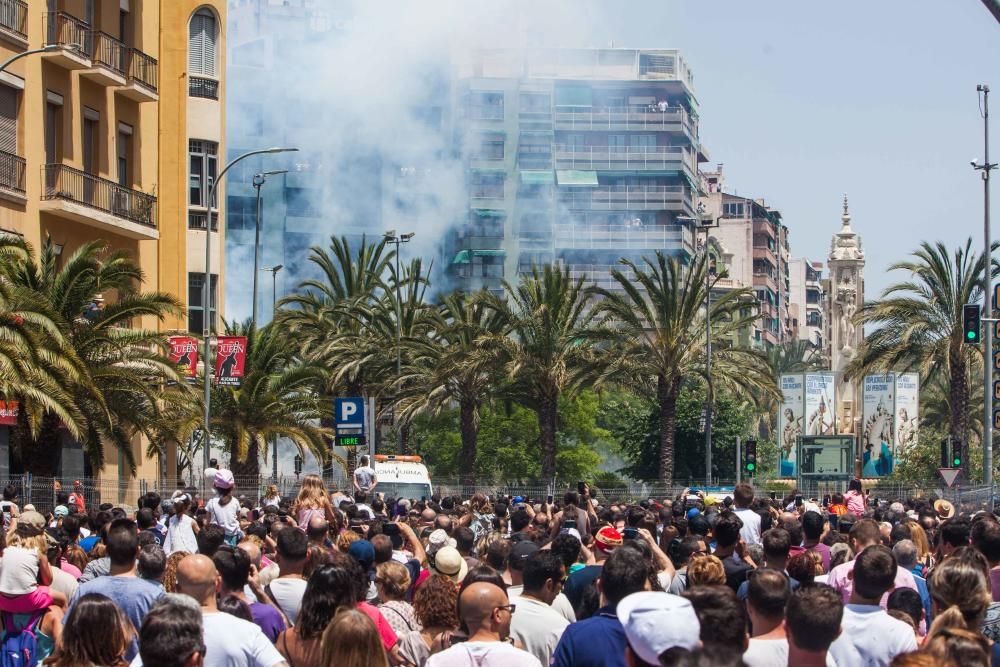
(184, 353)
(230, 357)
(877, 433)
(790, 422)
(821, 404)
(907, 409)
(8, 413)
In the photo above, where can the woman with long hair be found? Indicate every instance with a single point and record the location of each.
(436, 607)
(313, 500)
(925, 556)
(329, 589)
(271, 498)
(224, 509)
(960, 596)
(182, 530)
(170, 574)
(352, 640)
(96, 633)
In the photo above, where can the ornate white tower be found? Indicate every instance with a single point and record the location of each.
(845, 296)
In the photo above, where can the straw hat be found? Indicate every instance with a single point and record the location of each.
(944, 509)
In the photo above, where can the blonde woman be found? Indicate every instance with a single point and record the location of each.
(925, 557)
(961, 599)
(706, 571)
(313, 500)
(271, 498)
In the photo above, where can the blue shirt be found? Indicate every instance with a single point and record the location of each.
(88, 543)
(925, 597)
(134, 596)
(598, 641)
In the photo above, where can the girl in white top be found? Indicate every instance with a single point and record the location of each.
(181, 528)
(272, 498)
(224, 510)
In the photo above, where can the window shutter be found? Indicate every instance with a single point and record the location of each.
(208, 55)
(8, 120)
(201, 44)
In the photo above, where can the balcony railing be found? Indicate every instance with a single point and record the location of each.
(63, 28)
(108, 52)
(198, 220)
(626, 197)
(634, 117)
(12, 172)
(143, 69)
(62, 182)
(199, 86)
(618, 237)
(591, 158)
(14, 17)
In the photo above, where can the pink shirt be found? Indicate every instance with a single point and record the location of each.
(385, 631)
(855, 503)
(844, 585)
(995, 583)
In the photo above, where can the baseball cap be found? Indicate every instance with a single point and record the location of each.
(60, 511)
(520, 553)
(449, 562)
(439, 539)
(224, 479)
(30, 524)
(517, 499)
(693, 512)
(363, 552)
(655, 622)
(607, 539)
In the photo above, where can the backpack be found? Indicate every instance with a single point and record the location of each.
(19, 644)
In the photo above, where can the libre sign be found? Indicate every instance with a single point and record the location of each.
(184, 353)
(8, 413)
(230, 358)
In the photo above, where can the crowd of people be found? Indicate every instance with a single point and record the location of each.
(356, 578)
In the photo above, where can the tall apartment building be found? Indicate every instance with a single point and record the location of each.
(806, 300)
(757, 239)
(576, 156)
(94, 137)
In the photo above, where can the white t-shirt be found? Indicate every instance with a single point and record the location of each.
(227, 516)
(180, 535)
(233, 642)
(288, 592)
(537, 626)
(562, 606)
(750, 532)
(773, 653)
(877, 636)
(483, 654)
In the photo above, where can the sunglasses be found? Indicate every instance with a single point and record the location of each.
(508, 607)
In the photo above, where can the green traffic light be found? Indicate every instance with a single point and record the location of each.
(751, 466)
(956, 462)
(971, 335)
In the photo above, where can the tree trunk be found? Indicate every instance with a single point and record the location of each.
(404, 437)
(959, 403)
(246, 472)
(548, 409)
(666, 396)
(470, 441)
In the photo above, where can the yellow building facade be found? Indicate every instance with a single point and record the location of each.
(114, 132)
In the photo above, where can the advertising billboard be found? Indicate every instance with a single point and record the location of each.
(790, 420)
(184, 353)
(906, 411)
(229, 360)
(878, 426)
(820, 403)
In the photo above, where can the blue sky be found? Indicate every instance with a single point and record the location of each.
(804, 101)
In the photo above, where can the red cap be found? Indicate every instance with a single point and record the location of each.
(607, 539)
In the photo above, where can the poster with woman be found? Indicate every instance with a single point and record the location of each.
(907, 409)
(821, 403)
(790, 423)
(878, 431)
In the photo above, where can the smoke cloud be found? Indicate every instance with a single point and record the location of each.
(366, 94)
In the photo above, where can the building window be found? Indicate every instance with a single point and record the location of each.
(203, 162)
(487, 185)
(484, 225)
(201, 44)
(8, 119)
(643, 140)
(616, 142)
(491, 148)
(53, 131)
(196, 301)
(814, 319)
(732, 209)
(241, 212)
(536, 102)
(486, 105)
(124, 155)
(302, 202)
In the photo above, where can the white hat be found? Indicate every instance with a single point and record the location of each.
(439, 539)
(897, 507)
(655, 622)
(449, 562)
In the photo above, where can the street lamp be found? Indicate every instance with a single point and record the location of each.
(986, 167)
(274, 300)
(258, 182)
(207, 288)
(392, 238)
(48, 48)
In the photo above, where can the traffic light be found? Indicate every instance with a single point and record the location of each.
(298, 464)
(945, 446)
(971, 323)
(750, 456)
(956, 453)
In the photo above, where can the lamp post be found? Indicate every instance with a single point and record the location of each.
(48, 48)
(392, 238)
(986, 167)
(274, 300)
(206, 294)
(258, 182)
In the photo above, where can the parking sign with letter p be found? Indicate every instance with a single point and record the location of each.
(350, 413)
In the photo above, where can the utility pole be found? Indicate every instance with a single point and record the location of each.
(986, 167)
(258, 183)
(391, 238)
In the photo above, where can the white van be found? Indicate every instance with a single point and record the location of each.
(402, 477)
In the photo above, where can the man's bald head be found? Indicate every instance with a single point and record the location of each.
(196, 577)
(427, 516)
(318, 529)
(253, 551)
(478, 604)
(443, 521)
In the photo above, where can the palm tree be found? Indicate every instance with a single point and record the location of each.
(656, 329)
(917, 324)
(278, 396)
(121, 369)
(546, 347)
(453, 365)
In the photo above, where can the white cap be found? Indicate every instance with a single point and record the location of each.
(655, 622)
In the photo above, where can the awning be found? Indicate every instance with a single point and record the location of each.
(488, 253)
(537, 177)
(462, 257)
(573, 96)
(574, 177)
(490, 212)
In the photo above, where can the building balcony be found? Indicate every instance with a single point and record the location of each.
(632, 158)
(108, 60)
(199, 86)
(630, 118)
(75, 38)
(91, 200)
(765, 253)
(618, 237)
(143, 74)
(628, 198)
(12, 168)
(14, 21)
(763, 227)
(765, 280)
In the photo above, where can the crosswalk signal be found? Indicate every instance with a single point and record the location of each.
(750, 456)
(956, 453)
(971, 323)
